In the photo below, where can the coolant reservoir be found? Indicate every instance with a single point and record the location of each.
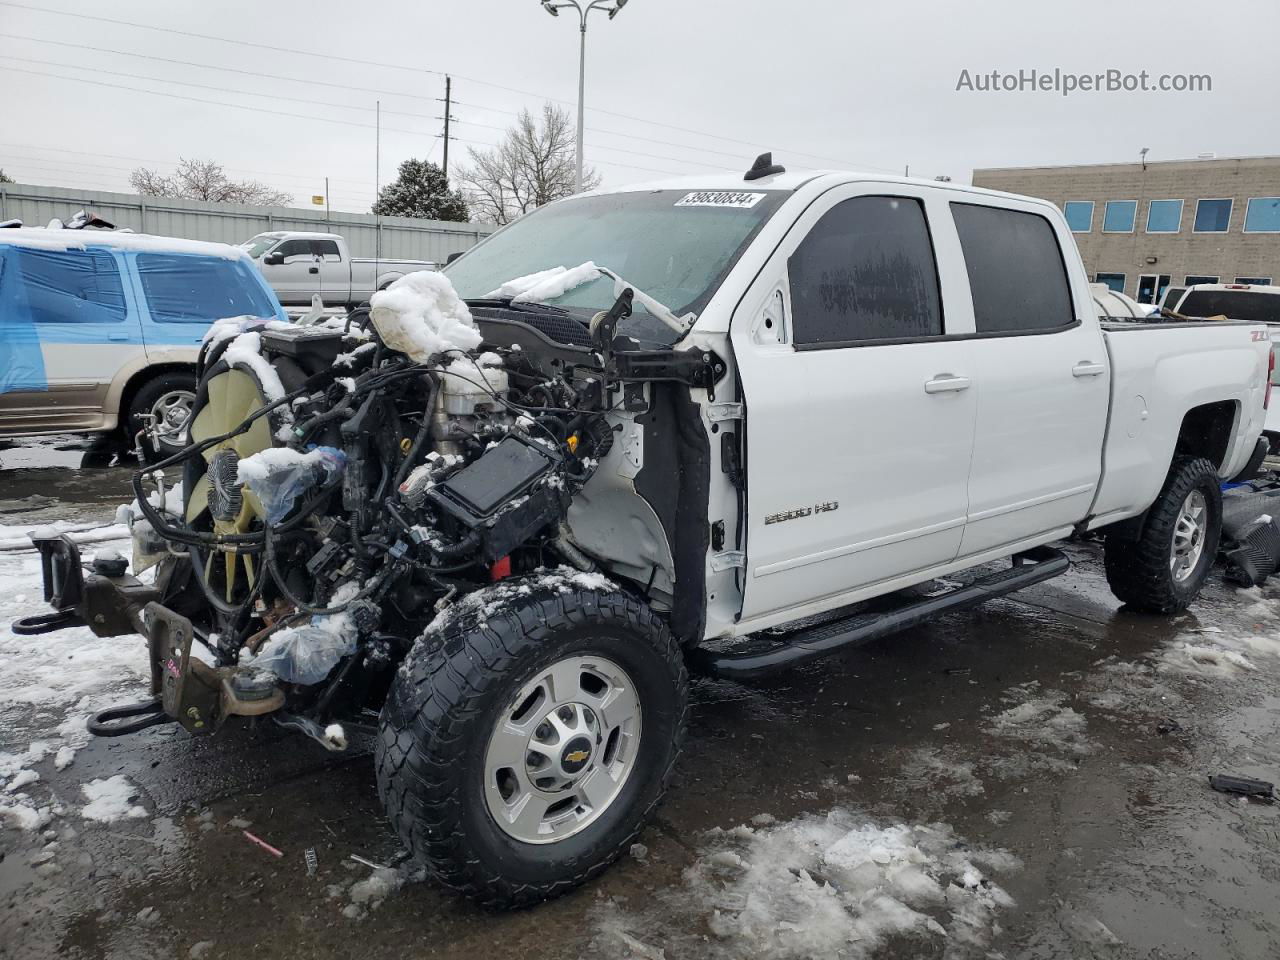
(468, 385)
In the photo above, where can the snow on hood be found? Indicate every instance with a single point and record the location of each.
(422, 315)
(545, 284)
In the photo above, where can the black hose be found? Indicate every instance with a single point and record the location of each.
(423, 432)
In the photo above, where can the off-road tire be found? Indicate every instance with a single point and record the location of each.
(146, 396)
(430, 751)
(1138, 570)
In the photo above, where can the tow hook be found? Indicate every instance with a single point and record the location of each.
(148, 713)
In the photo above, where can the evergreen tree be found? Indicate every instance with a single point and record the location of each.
(421, 190)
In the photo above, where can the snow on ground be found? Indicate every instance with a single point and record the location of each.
(842, 885)
(111, 800)
(1245, 639)
(52, 682)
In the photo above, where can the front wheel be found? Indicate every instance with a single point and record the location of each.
(1163, 569)
(529, 735)
(160, 409)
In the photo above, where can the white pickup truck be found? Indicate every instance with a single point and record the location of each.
(300, 265)
(691, 424)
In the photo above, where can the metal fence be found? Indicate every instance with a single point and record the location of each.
(367, 236)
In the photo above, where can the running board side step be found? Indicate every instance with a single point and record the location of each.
(1033, 566)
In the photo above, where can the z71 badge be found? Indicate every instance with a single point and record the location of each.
(785, 515)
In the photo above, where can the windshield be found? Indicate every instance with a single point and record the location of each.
(675, 245)
(1235, 304)
(258, 245)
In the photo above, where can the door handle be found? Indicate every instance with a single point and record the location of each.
(946, 383)
(313, 269)
(1087, 368)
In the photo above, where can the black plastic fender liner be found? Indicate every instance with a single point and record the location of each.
(676, 482)
(1033, 566)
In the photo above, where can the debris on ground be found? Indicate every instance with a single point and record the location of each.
(1168, 726)
(262, 843)
(639, 851)
(1244, 786)
(313, 862)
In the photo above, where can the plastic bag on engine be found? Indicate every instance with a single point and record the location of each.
(278, 476)
(307, 653)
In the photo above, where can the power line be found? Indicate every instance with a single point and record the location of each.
(210, 66)
(116, 156)
(299, 116)
(340, 86)
(413, 69)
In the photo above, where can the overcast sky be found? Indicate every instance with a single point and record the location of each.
(868, 84)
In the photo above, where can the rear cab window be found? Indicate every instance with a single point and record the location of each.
(1017, 274)
(865, 274)
(181, 288)
(1233, 304)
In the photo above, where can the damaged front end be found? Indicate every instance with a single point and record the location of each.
(347, 483)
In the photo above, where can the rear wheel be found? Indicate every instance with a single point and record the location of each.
(1163, 569)
(528, 737)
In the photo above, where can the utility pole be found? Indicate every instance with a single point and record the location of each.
(327, 226)
(448, 103)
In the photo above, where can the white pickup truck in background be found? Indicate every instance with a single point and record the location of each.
(300, 265)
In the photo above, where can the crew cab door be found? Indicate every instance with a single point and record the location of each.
(297, 275)
(1040, 371)
(335, 272)
(859, 414)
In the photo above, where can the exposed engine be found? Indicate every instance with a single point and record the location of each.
(339, 494)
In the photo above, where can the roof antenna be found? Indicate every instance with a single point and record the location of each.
(764, 167)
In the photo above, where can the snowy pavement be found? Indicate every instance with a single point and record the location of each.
(1024, 780)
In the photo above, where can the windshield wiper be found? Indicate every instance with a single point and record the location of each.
(664, 313)
(524, 306)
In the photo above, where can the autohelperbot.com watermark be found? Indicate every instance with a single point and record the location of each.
(1066, 82)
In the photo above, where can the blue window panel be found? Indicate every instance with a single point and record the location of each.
(1262, 215)
(1255, 281)
(1194, 278)
(1212, 216)
(195, 289)
(1119, 216)
(1113, 280)
(68, 286)
(1079, 215)
(1164, 216)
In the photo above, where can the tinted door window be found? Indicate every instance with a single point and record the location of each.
(72, 286)
(1016, 272)
(866, 271)
(327, 250)
(187, 289)
(294, 248)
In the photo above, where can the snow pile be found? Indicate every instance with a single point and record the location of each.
(1251, 635)
(545, 284)
(928, 767)
(55, 680)
(246, 350)
(1043, 722)
(840, 885)
(231, 327)
(421, 315)
(110, 800)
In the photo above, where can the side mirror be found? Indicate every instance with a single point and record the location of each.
(273, 259)
(452, 257)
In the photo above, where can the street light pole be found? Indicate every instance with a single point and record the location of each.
(602, 5)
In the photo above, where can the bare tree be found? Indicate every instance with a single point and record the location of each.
(4, 177)
(205, 180)
(533, 165)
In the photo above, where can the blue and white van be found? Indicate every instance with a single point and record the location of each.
(100, 329)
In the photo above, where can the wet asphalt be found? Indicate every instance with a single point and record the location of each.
(1125, 849)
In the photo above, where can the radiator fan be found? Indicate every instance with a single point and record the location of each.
(216, 500)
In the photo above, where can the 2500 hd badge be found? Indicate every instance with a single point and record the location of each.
(802, 512)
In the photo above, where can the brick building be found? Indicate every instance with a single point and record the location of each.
(1141, 227)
